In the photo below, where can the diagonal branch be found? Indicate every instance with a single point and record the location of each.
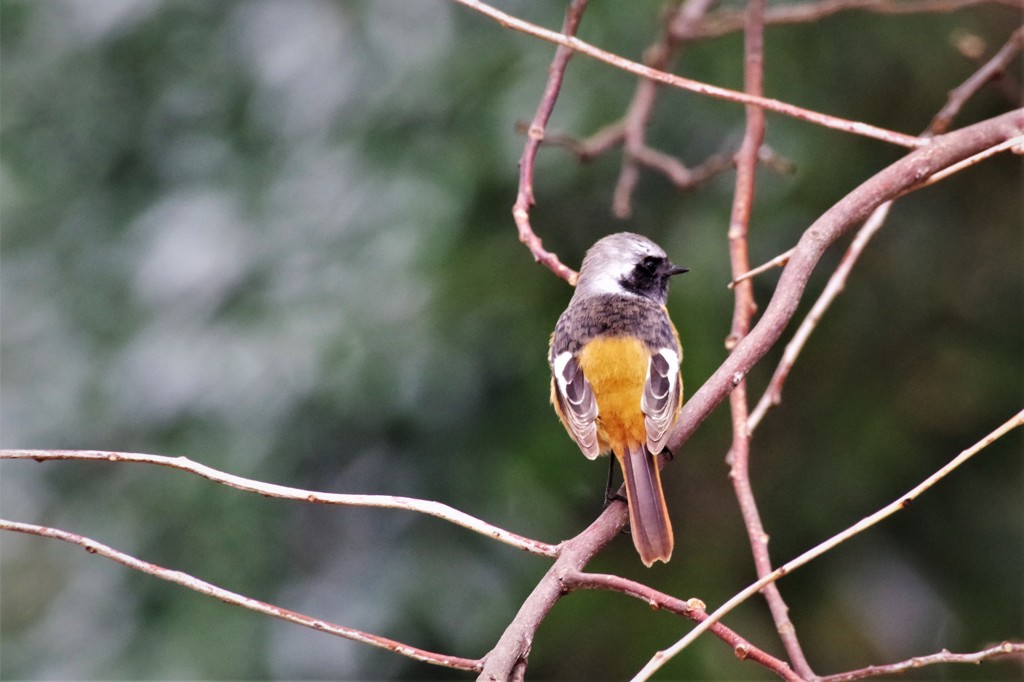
(743, 312)
(899, 504)
(534, 136)
(229, 597)
(773, 394)
(959, 95)
(724, 22)
(906, 175)
(1002, 649)
(693, 609)
(508, 659)
(437, 509)
(766, 103)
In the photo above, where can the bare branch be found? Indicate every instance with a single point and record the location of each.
(229, 597)
(959, 95)
(585, 150)
(901, 177)
(534, 136)
(743, 312)
(508, 659)
(773, 394)
(776, 262)
(898, 504)
(658, 56)
(693, 609)
(1014, 144)
(730, 21)
(437, 509)
(1002, 649)
(833, 122)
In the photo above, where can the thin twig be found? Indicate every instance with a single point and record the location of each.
(508, 659)
(229, 597)
(743, 312)
(959, 95)
(776, 262)
(431, 508)
(585, 150)
(825, 120)
(836, 283)
(1015, 145)
(693, 609)
(895, 180)
(1002, 649)
(534, 136)
(658, 56)
(897, 505)
(724, 22)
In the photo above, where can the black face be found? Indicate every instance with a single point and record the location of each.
(650, 277)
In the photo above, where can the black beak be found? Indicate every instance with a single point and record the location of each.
(673, 269)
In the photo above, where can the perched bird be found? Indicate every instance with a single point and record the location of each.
(616, 384)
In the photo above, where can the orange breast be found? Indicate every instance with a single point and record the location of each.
(616, 368)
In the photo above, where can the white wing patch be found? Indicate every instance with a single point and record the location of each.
(661, 398)
(577, 403)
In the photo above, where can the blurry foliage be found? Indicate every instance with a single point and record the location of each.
(275, 237)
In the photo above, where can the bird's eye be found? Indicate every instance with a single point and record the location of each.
(650, 264)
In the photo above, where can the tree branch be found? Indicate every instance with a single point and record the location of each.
(428, 507)
(959, 95)
(1002, 649)
(833, 122)
(636, 152)
(724, 22)
(693, 609)
(534, 136)
(897, 505)
(836, 283)
(508, 659)
(744, 308)
(908, 174)
(229, 597)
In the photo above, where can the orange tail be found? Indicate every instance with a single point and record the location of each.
(648, 515)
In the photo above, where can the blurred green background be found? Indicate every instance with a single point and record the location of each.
(275, 237)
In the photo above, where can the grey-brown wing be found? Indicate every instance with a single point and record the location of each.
(662, 397)
(576, 402)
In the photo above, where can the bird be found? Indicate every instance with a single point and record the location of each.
(616, 383)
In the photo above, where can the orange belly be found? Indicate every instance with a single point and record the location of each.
(616, 367)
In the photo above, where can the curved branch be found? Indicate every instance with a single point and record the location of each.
(1002, 649)
(508, 659)
(638, 69)
(693, 609)
(724, 22)
(744, 308)
(836, 283)
(908, 174)
(229, 597)
(896, 505)
(534, 136)
(428, 507)
(989, 71)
